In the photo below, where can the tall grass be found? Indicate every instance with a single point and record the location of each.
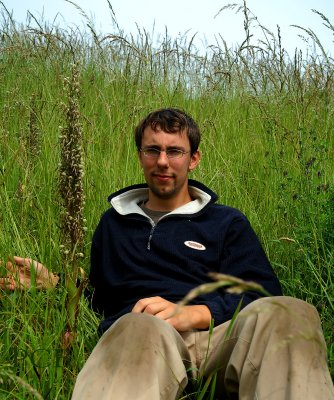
(267, 122)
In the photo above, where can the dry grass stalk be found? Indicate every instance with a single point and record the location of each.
(231, 284)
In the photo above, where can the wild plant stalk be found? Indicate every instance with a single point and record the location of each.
(33, 134)
(72, 195)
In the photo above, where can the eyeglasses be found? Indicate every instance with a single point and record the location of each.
(151, 152)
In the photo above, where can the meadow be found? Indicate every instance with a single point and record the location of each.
(267, 121)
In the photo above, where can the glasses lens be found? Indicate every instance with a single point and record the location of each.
(152, 153)
(174, 153)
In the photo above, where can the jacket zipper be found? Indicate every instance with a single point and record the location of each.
(154, 225)
(150, 237)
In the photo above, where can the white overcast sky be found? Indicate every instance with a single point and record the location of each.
(191, 16)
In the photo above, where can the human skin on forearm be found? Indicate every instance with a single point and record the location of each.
(183, 318)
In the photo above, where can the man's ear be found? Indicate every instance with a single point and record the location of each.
(194, 160)
(139, 154)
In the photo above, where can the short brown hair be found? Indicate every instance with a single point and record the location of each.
(170, 120)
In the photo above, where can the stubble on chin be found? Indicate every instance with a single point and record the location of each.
(164, 193)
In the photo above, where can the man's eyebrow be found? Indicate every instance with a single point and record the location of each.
(155, 146)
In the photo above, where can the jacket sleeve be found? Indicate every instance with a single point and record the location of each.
(242, 256)
(96, 295)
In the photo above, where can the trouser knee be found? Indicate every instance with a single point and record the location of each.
(282, 316)
(283, 308)
(135, 321)
(134, 327)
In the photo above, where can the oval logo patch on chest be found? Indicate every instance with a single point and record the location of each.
(194, 245)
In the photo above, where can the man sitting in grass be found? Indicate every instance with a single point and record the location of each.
(163, 239)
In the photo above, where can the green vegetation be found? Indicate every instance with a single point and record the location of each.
(267, 120)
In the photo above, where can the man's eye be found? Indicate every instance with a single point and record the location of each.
(152, 152)
(174, 152)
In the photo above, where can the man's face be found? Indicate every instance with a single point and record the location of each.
(167, 178)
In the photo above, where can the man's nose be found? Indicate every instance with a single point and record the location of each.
(163, 160)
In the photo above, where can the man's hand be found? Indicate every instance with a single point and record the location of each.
(182, 319)
(20, 275)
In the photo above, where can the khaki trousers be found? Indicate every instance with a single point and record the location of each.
(274, 350)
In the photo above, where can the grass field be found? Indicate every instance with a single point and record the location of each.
(267, 120)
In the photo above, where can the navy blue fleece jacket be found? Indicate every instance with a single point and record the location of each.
(133, 258)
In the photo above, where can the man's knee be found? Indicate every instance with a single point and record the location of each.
(138, 325)
(282, 315)
(283, 307)
(140, 320)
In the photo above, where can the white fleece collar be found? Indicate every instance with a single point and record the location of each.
(127, 202)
